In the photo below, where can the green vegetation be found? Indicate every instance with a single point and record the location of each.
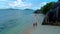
(46, 7)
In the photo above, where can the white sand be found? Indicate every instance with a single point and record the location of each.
(42, 29)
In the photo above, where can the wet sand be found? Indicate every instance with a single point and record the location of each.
(31, 30)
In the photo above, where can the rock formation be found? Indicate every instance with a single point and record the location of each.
(53, 16)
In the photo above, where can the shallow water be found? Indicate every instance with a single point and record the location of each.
(12, 19)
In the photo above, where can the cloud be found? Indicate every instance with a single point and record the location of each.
(38, 6)
(20, 3)
(42, 4)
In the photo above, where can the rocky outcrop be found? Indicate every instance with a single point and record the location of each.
(53, 16)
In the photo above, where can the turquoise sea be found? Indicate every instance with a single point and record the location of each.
(11, 18)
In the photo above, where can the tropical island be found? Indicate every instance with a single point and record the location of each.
(51, 11)
(45, 8)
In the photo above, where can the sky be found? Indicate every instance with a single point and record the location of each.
(23, 4)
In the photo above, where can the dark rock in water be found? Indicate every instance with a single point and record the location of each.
(53, 16)
(59, 0)
(2, 28)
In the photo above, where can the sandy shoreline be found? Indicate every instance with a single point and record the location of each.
(42, 29)
(30, 30)
(27, 28)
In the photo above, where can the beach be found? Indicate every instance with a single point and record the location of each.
(27, 27)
